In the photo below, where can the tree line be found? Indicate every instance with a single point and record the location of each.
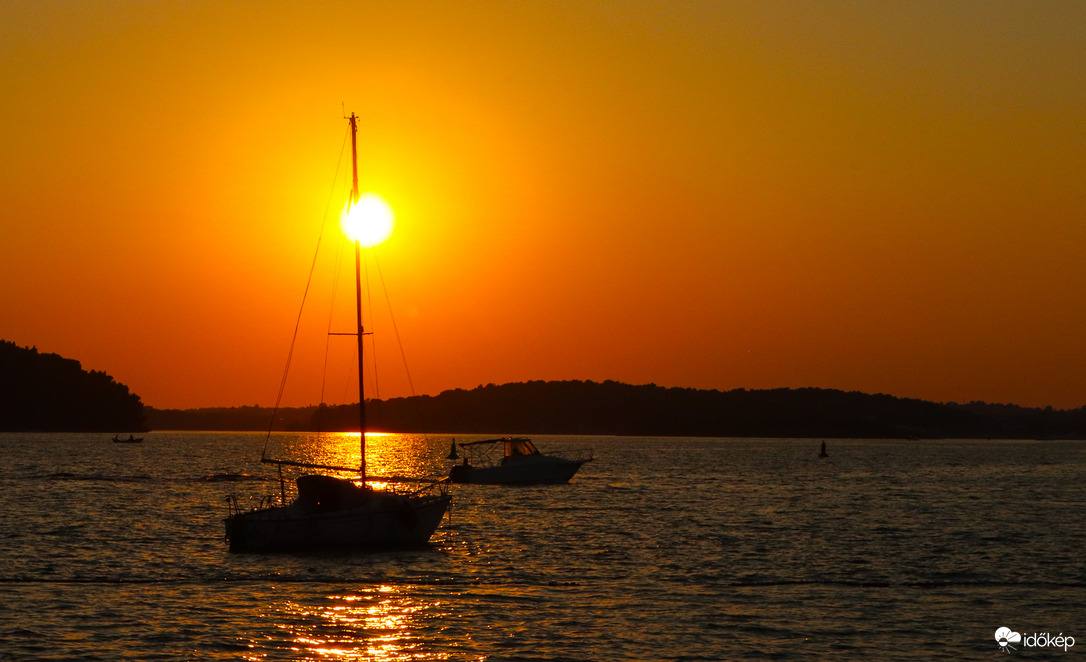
(614, 408)
(49, 393)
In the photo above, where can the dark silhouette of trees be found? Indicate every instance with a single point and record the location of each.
(50, 393)
(613, 408)
(231, 418)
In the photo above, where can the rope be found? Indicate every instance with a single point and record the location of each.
(399, 343)
(395, 329)
(305, 294)
(328, 335)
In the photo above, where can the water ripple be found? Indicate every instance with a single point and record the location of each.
(661, 549)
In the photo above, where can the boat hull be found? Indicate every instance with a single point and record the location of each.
(293, 529)
(529, 470)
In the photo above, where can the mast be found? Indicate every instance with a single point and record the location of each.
(358, 304)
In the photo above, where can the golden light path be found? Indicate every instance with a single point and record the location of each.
(368, 221)
(377, 623)
(387, 454)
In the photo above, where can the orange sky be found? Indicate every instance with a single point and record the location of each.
(885, 197)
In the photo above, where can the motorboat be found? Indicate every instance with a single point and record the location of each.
(514, 461)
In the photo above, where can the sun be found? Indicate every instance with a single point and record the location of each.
(368, 221)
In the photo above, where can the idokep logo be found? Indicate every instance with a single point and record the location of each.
(1005, 637)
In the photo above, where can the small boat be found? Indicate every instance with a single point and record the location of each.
(332, 512)
(514, 461)
(131, 439)
(227, 477)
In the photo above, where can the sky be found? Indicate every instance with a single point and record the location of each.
(886, 197)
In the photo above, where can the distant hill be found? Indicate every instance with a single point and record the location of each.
(50, 393)
(231, 418)
(613, 408)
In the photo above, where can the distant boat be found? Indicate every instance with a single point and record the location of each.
(514, 461)
(228, 477)
(339, 513)
(131, 439)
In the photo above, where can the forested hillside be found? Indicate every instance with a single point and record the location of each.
(50, 393)
(586, 407)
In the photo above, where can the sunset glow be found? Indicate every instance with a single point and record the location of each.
(882, 197)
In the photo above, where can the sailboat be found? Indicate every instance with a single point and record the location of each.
(330, 512)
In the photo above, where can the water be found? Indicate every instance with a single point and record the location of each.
(660, 549)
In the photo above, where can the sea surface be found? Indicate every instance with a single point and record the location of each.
(659, 549)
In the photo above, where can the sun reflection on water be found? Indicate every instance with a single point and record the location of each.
(380, 623)
(387, 454)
